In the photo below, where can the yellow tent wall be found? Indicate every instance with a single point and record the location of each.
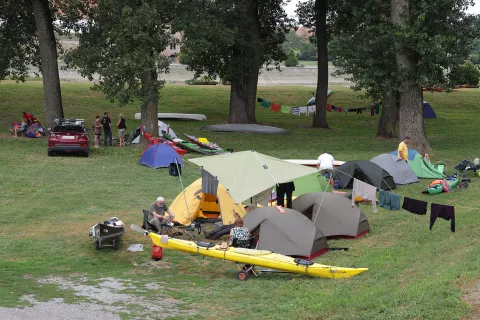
(198, 204)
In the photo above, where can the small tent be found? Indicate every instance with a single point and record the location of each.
(428, 112)
(397, 168)
(159, 155)
(162, 126)
(192, 204)
(289, 233)
(333, 214)
(365, 171)
(411, 153)
(314, 182)
(426, 170)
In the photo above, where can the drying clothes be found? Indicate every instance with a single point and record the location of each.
(442, 211)
(303, 109)
(377, 108)
(285, 189)
(285, 109)
(275, 107)
(388, 200)
(372, 110)
(339, 109)
(265, 104)
(329, 107)
(259, 99)
(209, 183)
(296, 111)
(414, 206)
(366, 191)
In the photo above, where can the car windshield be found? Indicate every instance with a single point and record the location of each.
(69, 128)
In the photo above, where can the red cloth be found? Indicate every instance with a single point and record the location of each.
(329, 107)
(339, 109)
(275, 107)
(372, 110)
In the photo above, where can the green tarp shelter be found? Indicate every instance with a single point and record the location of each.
(247, 173)
(314, 182)
(426, 170)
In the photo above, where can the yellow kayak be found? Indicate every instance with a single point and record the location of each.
(261, 258)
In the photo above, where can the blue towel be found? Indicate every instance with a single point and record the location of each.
(388, 200)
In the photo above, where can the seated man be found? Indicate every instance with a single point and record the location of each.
(239, 235)
(157, 214)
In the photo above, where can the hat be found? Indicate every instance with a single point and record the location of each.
(160, 199)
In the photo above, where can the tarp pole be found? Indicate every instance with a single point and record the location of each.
(183, 189)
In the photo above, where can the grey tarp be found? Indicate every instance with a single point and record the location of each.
(332, 213)
(365, 171)
(289, 233)
(397, 168)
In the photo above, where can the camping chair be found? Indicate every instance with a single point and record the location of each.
(462, 169)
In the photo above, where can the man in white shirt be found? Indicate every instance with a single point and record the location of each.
(325, 165)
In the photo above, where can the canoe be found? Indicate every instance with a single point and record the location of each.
(176, 116)
(210, 145)
(260, 258)
(312, 163)
(192, 146)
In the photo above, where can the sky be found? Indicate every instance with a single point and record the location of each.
(290, 8)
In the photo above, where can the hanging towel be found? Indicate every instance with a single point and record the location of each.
(329, 107)
(296, 111)
(377, 108)
(265, 104)
(339, 109)
(209, 183)
(303, 109)
(366, 191)
(388, 200)
(442, 211)
(414, 206)
(286, 109)
(345, 110)
(372, 110)
(275, 107)
(259, 99)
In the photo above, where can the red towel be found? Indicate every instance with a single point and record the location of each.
(329, 107)
(275, 107)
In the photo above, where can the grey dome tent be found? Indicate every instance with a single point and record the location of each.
(289, 233)
(365, 171)
(333, 214)
(397, 168)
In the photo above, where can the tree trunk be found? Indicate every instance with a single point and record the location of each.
(320, 117)
(240, 91)
(52, 96)
(244, 91)
(149, 107)
(387, 125)
(411, 94)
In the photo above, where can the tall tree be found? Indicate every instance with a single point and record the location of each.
(233, 40)
(122, 41)
(314, 13)
(27, 39)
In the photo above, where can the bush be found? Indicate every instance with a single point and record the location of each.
(182, 58)
(466, 73)
(292, 60)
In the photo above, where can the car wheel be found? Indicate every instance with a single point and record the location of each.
(97, 245)
(50, 153)
(116, 243)
(87, 153)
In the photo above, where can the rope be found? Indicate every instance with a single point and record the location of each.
(265, 167)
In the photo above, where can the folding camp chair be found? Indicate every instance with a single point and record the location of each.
(463, 167)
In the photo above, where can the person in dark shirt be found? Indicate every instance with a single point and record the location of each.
(107, 129)
(121, 129)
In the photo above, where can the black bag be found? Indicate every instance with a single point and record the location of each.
(174, 169)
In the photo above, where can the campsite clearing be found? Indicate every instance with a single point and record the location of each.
(413, 273)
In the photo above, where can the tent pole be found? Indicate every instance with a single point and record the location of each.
(183, 189)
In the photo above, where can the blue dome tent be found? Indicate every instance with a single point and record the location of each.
(159, 156)
(428, 112)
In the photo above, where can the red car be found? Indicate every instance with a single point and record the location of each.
(69, 136)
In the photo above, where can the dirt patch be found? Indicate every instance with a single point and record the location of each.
(106, 299)
(472, 297)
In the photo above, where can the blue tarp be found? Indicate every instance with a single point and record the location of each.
(411, 153)
(159, 156)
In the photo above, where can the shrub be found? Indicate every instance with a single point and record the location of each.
(292, 60)
(466, 73)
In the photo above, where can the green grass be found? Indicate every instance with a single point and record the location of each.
(48, 204)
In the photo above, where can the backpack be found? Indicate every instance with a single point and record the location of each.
(174, 169)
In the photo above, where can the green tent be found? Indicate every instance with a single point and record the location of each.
(423, 169)
(314, 182)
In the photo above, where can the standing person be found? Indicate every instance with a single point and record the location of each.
(107, 129)
(403, 148)
(121, 129)
(97, 131)
(27, 117)
(325, 165)
(157, 214)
